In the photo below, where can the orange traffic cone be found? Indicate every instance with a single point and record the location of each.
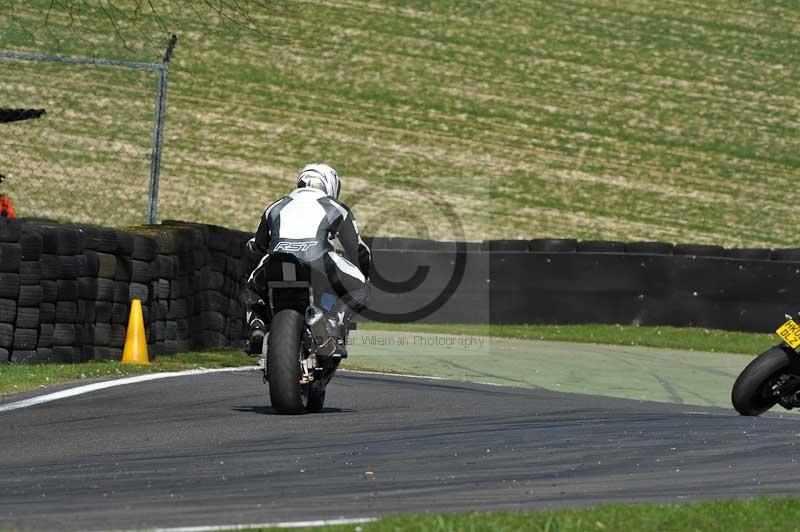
(135, 351)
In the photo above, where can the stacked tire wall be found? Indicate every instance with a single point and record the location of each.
(65, 290)
(565, 281)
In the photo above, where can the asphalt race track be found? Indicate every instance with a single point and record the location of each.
(207, 450)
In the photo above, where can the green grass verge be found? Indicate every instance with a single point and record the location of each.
(693, 339)
(638, 120)
(21, 378)
(723, 516)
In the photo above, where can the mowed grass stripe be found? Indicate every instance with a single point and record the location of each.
(592, 119)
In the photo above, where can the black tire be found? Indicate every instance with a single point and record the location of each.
(124, 270)
(283, 363)
(144, 248)
(86, 311)
(121, 292)
(102, 239)
(178, 308)
(141, 271)
(27, 357)
(786, 255)
(8, 310)
(30, 296)
(30, 272)
(171, 330)
(217, 261)
(46, 331)
(66, 311)
(749, 253)
(107, 265)
(211, 300)
(601, 246)
(699, 250)
(748, 395)
(651, 248)
(49, 291)
(499, 245)
(102, 311)
(560, 245)
(180, 288)
(162, 292)
(167, 267)
(10, 257)
(10, 230)
(47, 312)
(102, 334)
(69, 267)
(25, 338)
(139, 291)
(9, 285)
(68, 290)
(212, 321)
(31, 245)
(117, 337)
(64, 334)
(6, 335)
(51, 267)
(88, 264)
(124, 243)
(119, 313)
(27, 317)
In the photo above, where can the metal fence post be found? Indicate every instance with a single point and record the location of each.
(158, 130)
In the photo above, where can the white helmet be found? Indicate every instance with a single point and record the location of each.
(320, 176)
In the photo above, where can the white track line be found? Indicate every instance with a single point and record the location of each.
(285, 524)
(80, 390)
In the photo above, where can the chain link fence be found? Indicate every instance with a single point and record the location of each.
(94, 155)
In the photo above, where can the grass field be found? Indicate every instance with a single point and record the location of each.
(14, 378)
(598, 119)
(722, 516)
(687, 338)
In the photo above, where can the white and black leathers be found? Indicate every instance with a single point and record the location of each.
(304, 216)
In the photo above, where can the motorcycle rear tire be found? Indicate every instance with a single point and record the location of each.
(286, 394)
(748, 395)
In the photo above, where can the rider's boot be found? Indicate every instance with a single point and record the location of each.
(338, 319)
(256, 338)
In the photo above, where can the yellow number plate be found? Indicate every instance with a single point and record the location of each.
(790, 333)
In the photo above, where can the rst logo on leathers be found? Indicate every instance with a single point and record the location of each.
(295, 246)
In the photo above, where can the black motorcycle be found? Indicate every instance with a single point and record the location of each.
(773, 377)
(305, 344)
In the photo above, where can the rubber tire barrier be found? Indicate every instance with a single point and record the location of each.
(551, 245)
(601, 246)
(786, 255)
(699, 250)
(504, 245)
(650, 248)
(749, 253)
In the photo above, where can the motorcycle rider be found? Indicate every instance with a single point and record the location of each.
(311, 211)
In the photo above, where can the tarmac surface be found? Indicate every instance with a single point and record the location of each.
(208, 450)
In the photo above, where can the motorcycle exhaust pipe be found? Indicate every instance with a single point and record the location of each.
(323, 342)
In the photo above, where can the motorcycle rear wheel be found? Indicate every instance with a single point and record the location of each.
(284, 351)
(751, 394)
